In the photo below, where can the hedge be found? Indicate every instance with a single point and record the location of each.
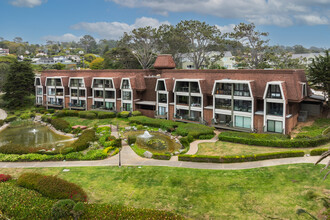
(63, 113)
(153, 122)
(84, 140)
(287, 143)
(10, 119)
(136, 113)
(87, 114)
(242, 158)
(159, 156)
(124, 114)
(60, 124)
(317, 152)
(194, 130)
(103, 115)
(52, 187)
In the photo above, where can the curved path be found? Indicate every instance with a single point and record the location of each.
(129, 158)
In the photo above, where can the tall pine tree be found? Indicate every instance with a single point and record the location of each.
(19, 85)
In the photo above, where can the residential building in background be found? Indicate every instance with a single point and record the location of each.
(4, 52)
(242, 100)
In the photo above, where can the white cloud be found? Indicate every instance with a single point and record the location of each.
(64, 38)
(267, 12)
(27, 3)
(226, 28)
(114, 30)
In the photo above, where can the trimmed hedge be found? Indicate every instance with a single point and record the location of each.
(84, 140)
(18, 149)
(159, 156)
(285, 143)
(87, 114)
(52, 187)
(242, 158)
(63, 113)
(124, 114)
(317, 152)
(103, 115)
(60, 124)
(136, 113)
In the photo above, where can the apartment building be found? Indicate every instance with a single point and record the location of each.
(242, 100)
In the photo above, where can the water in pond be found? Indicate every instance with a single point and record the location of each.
(34, 135)
(155, 142)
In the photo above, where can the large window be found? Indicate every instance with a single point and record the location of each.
(74, 93)
(241, 89)
(182, 100)
(38, 83)
(224, 120)
(162, 110)
(274, 92)
(162, 98)
(161, 85)
(275, 109)
(39, 100)
(54, 82)
(185, 86)
(274, 126)
(196, 101)
(223, 88)
(127, 107)
(39, 91)
(100, 83)
(223, 104)
(109, 94)
(184, 114)
(76, 83)
(125, 84)
(242, 106)
(98, 94)
(127, 95)
(242, 122)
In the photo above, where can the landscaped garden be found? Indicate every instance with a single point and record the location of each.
(263, 193)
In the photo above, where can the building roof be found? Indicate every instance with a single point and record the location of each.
(164, 61)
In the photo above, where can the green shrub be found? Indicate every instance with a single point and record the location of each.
(2, 122)
(84, 140)
(46, 118)
(51, 110)
(52, 187)
(131, 139)
(25, 116)
(184, 142)
(94, 155)
(317, 152)
(32, 115)
(241, 158)
(70, 113)
(136, 113)
(62, 208)
(167, 125)
(87, 114)
(40, 109)
(206, 136)
(194, 130)
(11, 148)
(103, 115)
(190, 138)
(10, 119)
(159, 156)
(78, 210)
(124, 114)
(60, 124)
(139, 127)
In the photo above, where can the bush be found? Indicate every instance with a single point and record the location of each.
(317, 152)
(2, 122)
(131, 139)
(184, 142)
(241, 158)
(18, 149)
(70, 113)
(124, 114)
(84, 140)
(206, 136)
(78, 210)
(167, 125)
(159, 156)
(60, 124)
(87, 114)
(139, 127)
(51, 110)
(103, 115)
(46, 118)
(190, 138)
(4, 178)
(52, 187)
(195, 130)
(136, 113)
(62, 208)
(10, 119)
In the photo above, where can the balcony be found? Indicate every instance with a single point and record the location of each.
(162, 115)
(103, 108)
(77, 106)
(55, 104)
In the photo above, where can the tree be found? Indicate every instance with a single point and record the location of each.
(97, 64)
(4, 69)
(319, 74)
(18, 40)
(19, 84)
(120, 58)
(143, 44)
(202, 39)
(59, 66)
(89, 57)
(254, 46)
(323, 156)
(88, 43)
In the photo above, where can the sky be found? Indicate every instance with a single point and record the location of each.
(288, 22)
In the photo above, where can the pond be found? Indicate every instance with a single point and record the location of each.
(155, 142)
(33, 135)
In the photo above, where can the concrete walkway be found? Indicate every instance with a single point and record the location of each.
(129, 158)
(194, 145)
(3, 114)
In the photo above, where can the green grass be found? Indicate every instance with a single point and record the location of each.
(138, 151)
(222, 148)
(316, 128)
(263, 193)
(91, 122)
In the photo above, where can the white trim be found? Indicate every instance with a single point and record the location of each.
(164, 85)
(127, 90)
(107, 78)
(83, 79)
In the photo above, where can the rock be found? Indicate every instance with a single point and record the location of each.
(147, 154)
(176, 152)
(180, 150)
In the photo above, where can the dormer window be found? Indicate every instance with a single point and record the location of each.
(54, 82)
(191, 87)
(223, 89)
(161, 86)
(241, 89)
(103, 83)
(77, 83)
(38, 83)
(274, 92)
(125, 84)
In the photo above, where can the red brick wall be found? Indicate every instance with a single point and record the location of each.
(89, 103)
(208, 116)
(148, 113)
(259, 123)
(170, 112)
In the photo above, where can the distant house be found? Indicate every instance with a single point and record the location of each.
(306, 58)
(53, 60)
(214, 57)
(4, 52)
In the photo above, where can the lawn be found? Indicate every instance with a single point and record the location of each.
(222, 148)
(122, 122)
(264, 193)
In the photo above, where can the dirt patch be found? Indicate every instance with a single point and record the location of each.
(297, 129)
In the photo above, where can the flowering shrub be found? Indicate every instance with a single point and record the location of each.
(52, 187)
(4, 177)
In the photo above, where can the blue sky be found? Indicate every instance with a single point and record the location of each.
(289, 22)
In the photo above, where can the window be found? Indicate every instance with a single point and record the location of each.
(162, 98)
(223, 104)
(223, 120)
(127, 95)
(39, 100)
(162, 110)
(54, 82)
(223, 88)
(304, 90)
(39, 91)
(182, 87)
(195, 101)
(98, 94)
(243, 122)
(76, 83)
(274, 92)
(127, 107)
(161, 85)
(51, 91)
(241, 89)
(275, 109)
(274, 126)
(38, 83)
(194, 88)
(109, 94)
(182, 100)
(125, 84)
(242, 106)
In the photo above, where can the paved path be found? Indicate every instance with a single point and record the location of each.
(129, 158)
(194, 145)
(3, 114)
